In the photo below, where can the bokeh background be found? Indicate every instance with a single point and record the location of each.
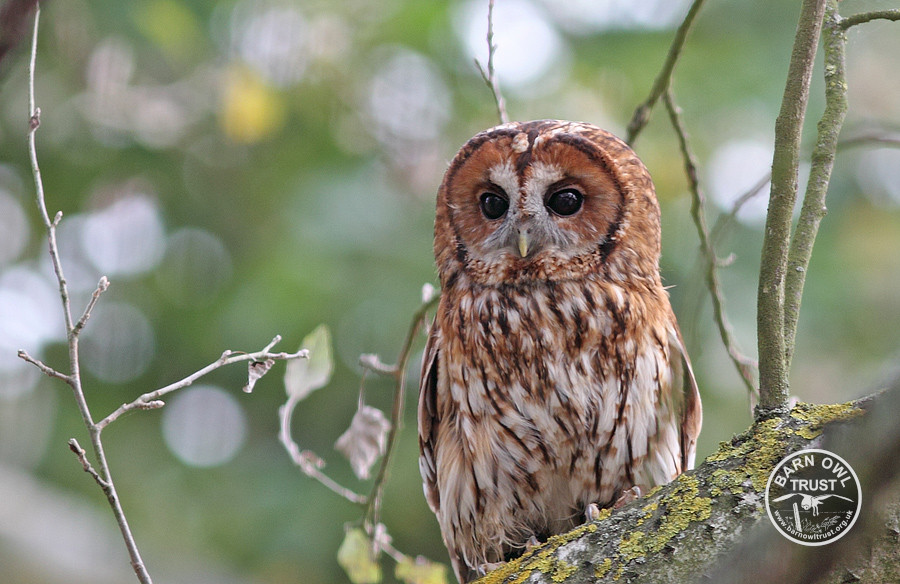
(245, 168)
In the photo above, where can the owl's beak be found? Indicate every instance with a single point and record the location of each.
(523, 243)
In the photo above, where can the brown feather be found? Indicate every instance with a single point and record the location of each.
(558, 379)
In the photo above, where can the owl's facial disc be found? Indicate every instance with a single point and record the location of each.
(533, 211)
(521, 209)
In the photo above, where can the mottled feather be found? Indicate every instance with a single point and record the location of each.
(556, 378)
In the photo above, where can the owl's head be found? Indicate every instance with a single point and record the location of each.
(546, 200)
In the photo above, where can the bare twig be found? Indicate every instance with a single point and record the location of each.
(773, 372)
(307, 460)
(867, 138)
(101, 288)
(75, 447)
(891, 140)
(46, 369)
(373, 505)
(102, 475)
(642, 113)
(228, 358)
(744, 365)
(813, 209)
(490, 78)
(845, 23)
(373, 363)
(725, 220)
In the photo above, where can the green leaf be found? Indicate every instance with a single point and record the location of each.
(355, 557)
(303, 376)
(420, 571)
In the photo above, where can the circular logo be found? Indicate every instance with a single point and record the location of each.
(813, 497)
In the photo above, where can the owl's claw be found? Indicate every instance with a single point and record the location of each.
(532, 542)
(487, 567)
(591, 513)
(628, 496)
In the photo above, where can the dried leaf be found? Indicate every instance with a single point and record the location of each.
(420, 571)
(255, 370)
(303, 376)
(355, 557)
(365, 440)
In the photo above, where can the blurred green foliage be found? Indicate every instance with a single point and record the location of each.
(301, 144)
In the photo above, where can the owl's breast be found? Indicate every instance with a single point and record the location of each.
(552, 394)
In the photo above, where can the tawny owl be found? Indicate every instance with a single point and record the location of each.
(554, 376)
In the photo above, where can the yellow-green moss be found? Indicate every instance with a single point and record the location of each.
(603, 569)
(683, 506)
(818, 415)
(756, 453)
(542, 559)
(726, 481)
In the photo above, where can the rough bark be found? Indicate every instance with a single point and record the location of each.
(710, 524)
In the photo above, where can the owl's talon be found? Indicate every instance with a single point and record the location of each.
(487, 567)
(591, 513)
(532, 542)
(628, 496)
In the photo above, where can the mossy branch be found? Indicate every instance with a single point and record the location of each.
(691, 529)
(773, 371)
(813, 210)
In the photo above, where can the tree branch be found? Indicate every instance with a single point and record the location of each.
(770, 317)
(150, 400)
(307, 460)
(850, 21)
(744, 365)
(489, 76)
(813, 210)
(373, 506)
(642, 113)
(103, 475)
(694, 528)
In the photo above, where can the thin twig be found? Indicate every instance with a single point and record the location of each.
(101, 288)
(813, 209)
(46, 369)
(845, 23)
(642, 113)
(773, 373)
(744, 365)
(490, 78)
(102, 474)
(876, 137)
(724, 220)
(307, 460)
(75, 447)
(373, 505)
(228, 358)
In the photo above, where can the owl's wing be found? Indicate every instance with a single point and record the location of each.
(823, 497)
(427, 419)
(686, 389)
(785, 497)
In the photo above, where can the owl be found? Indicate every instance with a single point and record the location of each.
(554, 377)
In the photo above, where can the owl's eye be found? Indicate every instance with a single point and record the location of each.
(493, 205)
(565, 202)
